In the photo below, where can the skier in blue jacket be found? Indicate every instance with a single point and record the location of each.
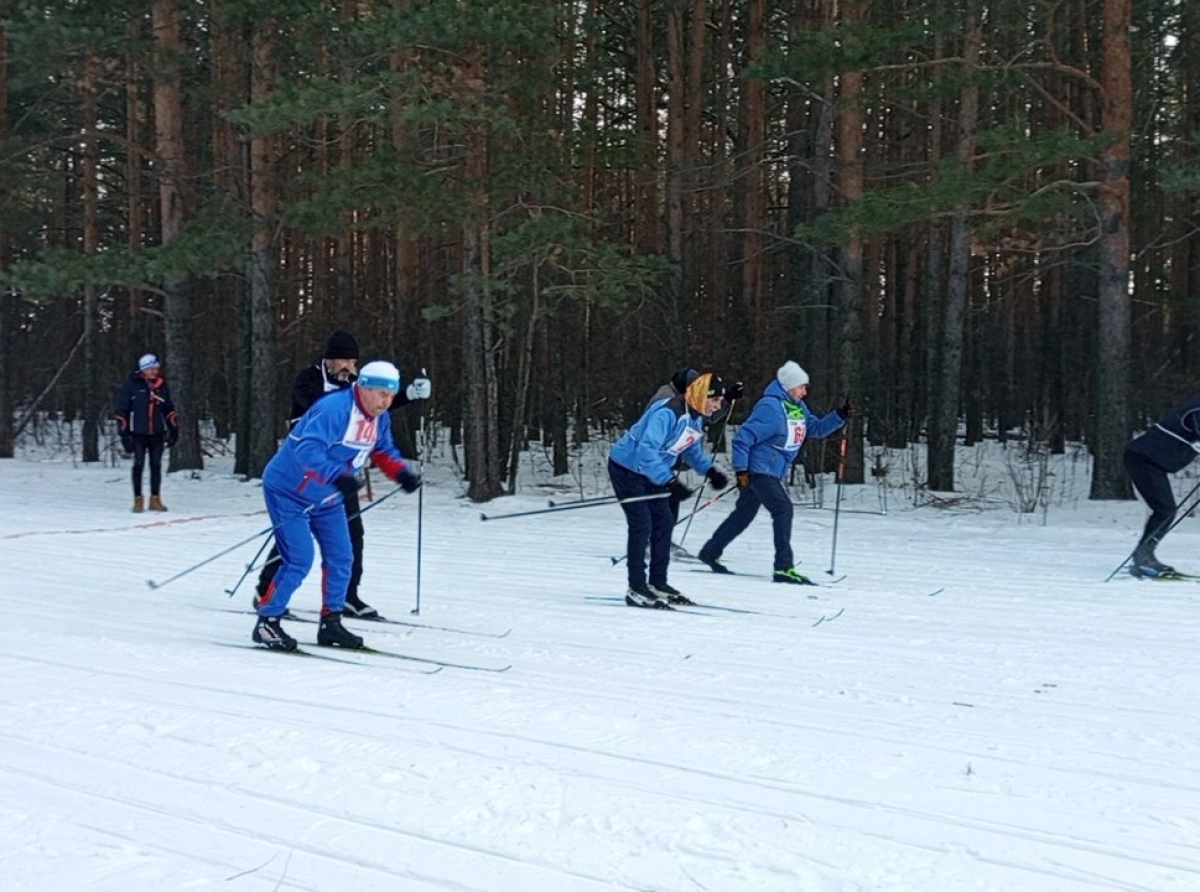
(303, 487)
(641, 466)
(763, 450)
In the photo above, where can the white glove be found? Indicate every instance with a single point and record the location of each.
(419, 389)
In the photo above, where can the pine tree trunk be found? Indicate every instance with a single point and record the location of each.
(943, 429)
(1109, 480)
(7, 298)
(481, 425)
(850, 284)
(264, 409)
(173, 211)
(89, 162)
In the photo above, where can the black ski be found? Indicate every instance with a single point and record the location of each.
(811, 581)
(314, 616)
(620, 600)
(346, 659)
(441, 664)
(1170, 577)
(400, 622)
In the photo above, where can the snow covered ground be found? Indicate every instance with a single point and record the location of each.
(984, 712)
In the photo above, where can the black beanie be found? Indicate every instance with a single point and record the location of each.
(682, 378)
(341, 345)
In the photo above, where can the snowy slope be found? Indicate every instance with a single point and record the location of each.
(985, 714)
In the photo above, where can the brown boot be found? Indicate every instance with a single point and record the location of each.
(138, 505)
(156, 504)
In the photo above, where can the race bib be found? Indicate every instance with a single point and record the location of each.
(797, 430)
(360, 436)
(689, 436)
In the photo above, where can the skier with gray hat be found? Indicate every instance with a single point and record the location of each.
(763, 450)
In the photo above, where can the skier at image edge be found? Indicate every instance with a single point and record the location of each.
(303, 486)
(337, 371)
(641, 464)
(1167, 446)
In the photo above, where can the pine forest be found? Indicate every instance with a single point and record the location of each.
(973, 218)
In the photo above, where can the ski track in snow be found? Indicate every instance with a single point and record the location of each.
(1031, 730)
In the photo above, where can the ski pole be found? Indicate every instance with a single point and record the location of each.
(274, 559)
(707, 502)
(579, 503)
(696, 505)
(416, 611)
(420, 524)
(1163, 528)
(208, 560)
(657, 495)
(250, 566)
(837, 504)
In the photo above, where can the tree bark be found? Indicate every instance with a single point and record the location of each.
(174, 208)
(943, 428)
(264, 409)
(850, 139)
(1109, 480)
(7, 298)
(90, 188)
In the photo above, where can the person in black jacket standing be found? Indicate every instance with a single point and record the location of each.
(1167, 446)
(146, 420)
(337, 370)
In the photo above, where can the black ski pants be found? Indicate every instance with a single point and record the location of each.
(148, 446)
(1153, 486)
(649, 522)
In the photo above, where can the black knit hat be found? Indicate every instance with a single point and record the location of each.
(682, 378)
(341, 345)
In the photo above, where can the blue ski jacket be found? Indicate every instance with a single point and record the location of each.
(665, 432)
(334, 438)
(771, 438)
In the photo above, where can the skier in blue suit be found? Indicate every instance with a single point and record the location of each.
(641, 466)
(303, 487)
(763, 450)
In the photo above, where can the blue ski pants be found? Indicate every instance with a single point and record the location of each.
(297, 523)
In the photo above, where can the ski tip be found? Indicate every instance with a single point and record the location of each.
(151, 584)
(483, 516)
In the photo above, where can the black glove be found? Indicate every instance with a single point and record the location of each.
(716, 478)
(127, 442)
(172, 436)
(349, 485)
(846, 409)
(678, 490)
(735, 391)
(743, 479)
(409, 480)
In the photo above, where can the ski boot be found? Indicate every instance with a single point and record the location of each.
(269, 632)
(331, 633)
(672, 594)
(644, 596)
